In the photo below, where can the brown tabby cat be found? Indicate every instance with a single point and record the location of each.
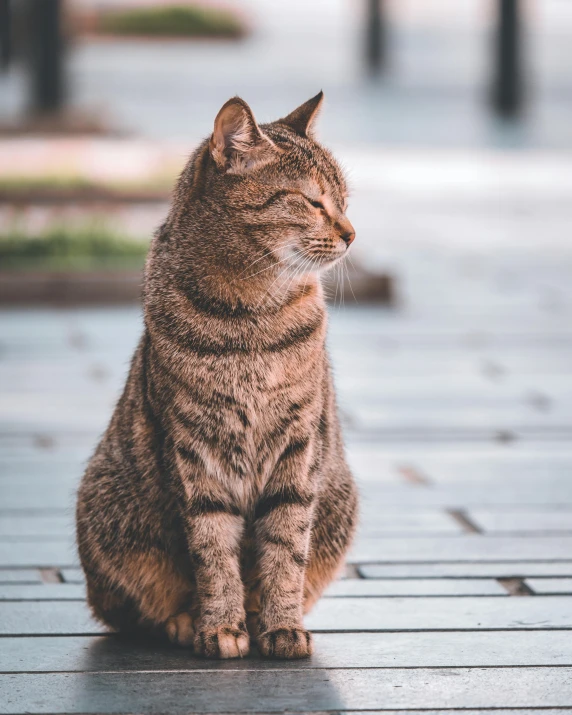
(220, 489)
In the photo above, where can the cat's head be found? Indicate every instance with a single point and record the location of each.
(286, 193)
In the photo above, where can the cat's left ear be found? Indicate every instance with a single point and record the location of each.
(237, 143)
(302, 119)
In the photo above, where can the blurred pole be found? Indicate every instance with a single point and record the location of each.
(5, 34)
(507, 89)
(45, 54)
(376, 36)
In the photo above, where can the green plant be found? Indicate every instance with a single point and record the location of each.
(87, 247)
(171, 20)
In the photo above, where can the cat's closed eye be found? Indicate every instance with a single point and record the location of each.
(316, 204)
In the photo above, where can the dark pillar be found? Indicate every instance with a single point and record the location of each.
(45, 54)
(507, 89)
(5, 34)
(376, 36)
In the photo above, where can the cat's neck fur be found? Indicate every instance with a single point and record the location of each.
(246, 283)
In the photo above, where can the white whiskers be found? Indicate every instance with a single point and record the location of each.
(349, 281)
(266, 254)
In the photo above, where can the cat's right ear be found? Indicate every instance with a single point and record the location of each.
(302, 119)
(237, 143)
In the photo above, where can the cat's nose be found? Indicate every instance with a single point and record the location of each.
(348, 237)
(346, 230)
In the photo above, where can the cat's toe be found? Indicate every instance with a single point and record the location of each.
(180, 629)
(222, 642)
(286, 643)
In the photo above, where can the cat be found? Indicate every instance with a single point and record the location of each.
(219, 504)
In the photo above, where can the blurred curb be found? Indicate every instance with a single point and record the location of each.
(68, 288)
(359, 285)
(108, 287)
(86, 195)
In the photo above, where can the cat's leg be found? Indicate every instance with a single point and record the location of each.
(145, 591)
(214, 533)
(332, 532)
(282, 524)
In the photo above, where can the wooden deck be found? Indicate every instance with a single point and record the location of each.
(458, 415)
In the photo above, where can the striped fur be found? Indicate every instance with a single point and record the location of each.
(218, 504)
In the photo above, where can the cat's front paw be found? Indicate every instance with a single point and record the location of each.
(286, 643)
(223, 642)
(180, 629)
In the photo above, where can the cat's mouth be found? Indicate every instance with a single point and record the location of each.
(311, 261)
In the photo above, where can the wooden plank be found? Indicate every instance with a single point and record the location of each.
(420, 391)
(414, 587)
(434, 418)
(20, 576)
(533, 460)
(463, 463)
(472, 547)
(67, 375)
(47, 618)
(52, 495)
(73, 575)
(437, 363)
(467, 496)
(42, 592)
(376, 522)
(52, 526)
(449, 614)
(456, 431)
(48, 471)
(334, 614)
(548, 586)
(332, 650)
(40, 554)
(523, 521)
(298, 691)
(467, 570)
(87, 419)
(446, 330)
(67, 446)
(40, 466)
(386, 471)
(510, 467)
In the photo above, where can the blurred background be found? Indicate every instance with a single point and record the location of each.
(450, 328)
(101, 101)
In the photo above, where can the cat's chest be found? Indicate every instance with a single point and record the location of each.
(240, 418)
